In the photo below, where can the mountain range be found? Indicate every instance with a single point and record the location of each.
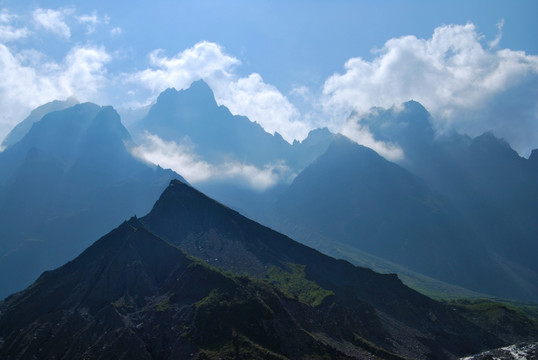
(487, 182)
(350, 195)
(192, 117)
(197, 279)
(134, 294)
(454, 208)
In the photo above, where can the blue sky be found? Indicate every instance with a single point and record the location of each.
(290, 65)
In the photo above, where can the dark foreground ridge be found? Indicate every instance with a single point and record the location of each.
(134, 295)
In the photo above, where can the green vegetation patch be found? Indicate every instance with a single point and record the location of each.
(494, 311)
(295, 284)
(246, 349)
(164, 305)
(244, 309)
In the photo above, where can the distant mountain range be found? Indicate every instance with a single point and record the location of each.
(193, 117)
(485, 180)
(456, 209)
(353, 196)
(133, 294)
(196, 279)
(356, 197)
(67, 180)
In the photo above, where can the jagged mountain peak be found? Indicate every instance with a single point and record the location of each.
(415, 107)
(200, 86)
(108, 120)
(193, 115)
(488, 144)
(81, 130)
(342, 149)
(22, 128)
(199, 93)
(409, 125)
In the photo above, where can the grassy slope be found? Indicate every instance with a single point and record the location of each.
(428, 286)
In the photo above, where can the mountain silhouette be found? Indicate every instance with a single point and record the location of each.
(192, 117)
(69, 179)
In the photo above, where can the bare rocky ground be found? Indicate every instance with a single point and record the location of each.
(512, 352)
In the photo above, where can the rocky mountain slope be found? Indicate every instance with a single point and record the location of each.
(133, 294)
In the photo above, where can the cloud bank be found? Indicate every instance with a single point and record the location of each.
(466, 86)
(183, 159)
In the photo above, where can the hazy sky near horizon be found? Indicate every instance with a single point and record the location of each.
(289, 65)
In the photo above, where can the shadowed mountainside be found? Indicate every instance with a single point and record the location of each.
(68, 180)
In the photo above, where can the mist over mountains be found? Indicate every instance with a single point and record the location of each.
(453, 208)
(208, 180)
(211, 144)
(67, 181)
(469, 200)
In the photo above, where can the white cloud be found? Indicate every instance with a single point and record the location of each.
(263, 103)
(362, 135)
(90, 20)
(93, 20)
(203, 61)
(248, 96)
(116, 31)
(183, 159)
(30, 79)
(53, 21)
(7, 31)
(453, 76)
(495, 42)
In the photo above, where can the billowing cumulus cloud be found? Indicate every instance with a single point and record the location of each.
(30, 79)
(183, 159)
(53, 21)
(248, 96)
(263, 103)
(465, 86)
(204, 60)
